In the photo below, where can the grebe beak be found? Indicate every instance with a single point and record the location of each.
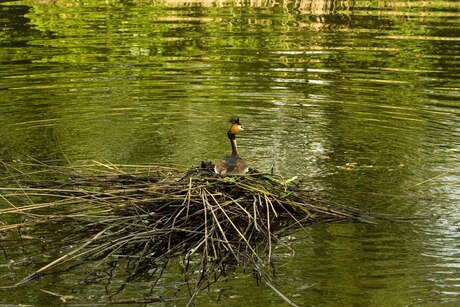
(241, 127)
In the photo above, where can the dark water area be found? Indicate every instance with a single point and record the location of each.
(361, 99)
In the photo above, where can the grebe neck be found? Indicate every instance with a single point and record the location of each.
(234, 147)
(232, 138)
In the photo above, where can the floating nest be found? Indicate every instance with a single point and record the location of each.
(149, 214)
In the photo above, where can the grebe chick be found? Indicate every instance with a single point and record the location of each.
(232, 164)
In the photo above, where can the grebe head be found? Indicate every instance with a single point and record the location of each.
(234, 128)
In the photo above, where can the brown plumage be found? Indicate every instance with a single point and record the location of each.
(232, 164)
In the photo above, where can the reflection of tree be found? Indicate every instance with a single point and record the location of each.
(256, 53)
(13, 26)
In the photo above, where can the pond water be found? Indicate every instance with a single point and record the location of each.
(359, 98)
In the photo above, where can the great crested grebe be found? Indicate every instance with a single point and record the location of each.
(232, 164)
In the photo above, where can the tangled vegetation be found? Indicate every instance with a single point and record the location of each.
(151, 213)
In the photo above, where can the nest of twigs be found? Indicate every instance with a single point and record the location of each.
(152, 213)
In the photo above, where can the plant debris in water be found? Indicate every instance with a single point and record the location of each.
(149, 214)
